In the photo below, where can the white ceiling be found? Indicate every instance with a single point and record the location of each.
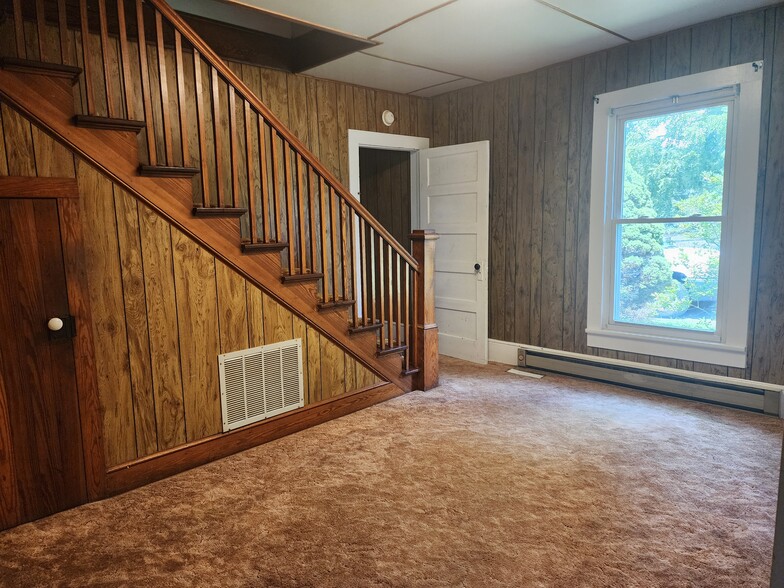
(428, 47)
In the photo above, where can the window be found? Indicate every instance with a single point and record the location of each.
(674, 181)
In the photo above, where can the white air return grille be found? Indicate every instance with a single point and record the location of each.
(261, 382)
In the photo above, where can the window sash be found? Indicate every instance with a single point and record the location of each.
(618, 117)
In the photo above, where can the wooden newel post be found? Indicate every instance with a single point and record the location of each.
(426, 335)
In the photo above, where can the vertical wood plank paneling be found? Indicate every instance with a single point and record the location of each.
(465, 116)
(769, 311)
(277, 322)
(233, 309)
(425, 117)
(197, 321)
(108, 315)
(300, 330)
(51, 158)
(255, 308)
(314, 365)
(639, 64)
(535, 325)
(326, 93)
(441, 120)
(275, 94)
(554, 208)
(498, 198)
(572, 205)
(136, 321)
(298, 108)
(454, 118)
(333, 370)
(526, 106)
(162, 319)
(511, 261)
(659, 58)
(20, 155)
(341, 120)
(678, 53)
(747, 41)
(710, 45)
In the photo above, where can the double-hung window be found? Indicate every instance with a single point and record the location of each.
(673, 191)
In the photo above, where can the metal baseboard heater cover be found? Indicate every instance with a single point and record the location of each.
(693, 388)
(261, 382)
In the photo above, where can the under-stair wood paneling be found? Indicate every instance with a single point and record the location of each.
(163, 309)
(385, 184)
(540, 126)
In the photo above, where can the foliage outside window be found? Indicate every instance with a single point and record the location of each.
(672, 216)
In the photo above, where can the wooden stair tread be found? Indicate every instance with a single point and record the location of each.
(30, 66)
(108, 124)
(229, 212)
(364, 328)
(391, 350)
(271, 247)
(170, 171)
(298, 278)
(335, 304)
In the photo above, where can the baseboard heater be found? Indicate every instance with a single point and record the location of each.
(684, 384)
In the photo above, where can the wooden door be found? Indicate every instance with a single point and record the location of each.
(454, 187)
(41, 460)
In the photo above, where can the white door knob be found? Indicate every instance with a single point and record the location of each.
(55, 324)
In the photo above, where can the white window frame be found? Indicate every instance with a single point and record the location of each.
(741, 84)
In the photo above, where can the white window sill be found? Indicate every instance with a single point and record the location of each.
(683, 349)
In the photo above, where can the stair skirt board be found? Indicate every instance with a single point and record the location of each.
(688, 385)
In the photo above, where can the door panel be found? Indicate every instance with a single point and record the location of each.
(37, 373)
(453, 199)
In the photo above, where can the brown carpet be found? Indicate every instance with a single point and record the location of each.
(490, 480)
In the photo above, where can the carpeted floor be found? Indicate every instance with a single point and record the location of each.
(489, 480)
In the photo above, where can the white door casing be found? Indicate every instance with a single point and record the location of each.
(454, 191)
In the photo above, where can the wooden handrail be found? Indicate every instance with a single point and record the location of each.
(247, 94)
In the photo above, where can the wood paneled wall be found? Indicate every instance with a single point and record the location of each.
(320, 112)
(385, 184)
(539, 126)
(163, 309)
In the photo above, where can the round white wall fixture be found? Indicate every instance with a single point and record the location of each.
(387, 117)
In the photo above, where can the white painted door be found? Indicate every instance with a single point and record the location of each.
(454, 190)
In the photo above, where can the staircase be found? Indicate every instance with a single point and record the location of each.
(131, 88)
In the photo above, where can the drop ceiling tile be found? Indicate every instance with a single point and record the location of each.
(445, 87)
(638, 20)
(490, 40)
(358, 17)
(366, 70)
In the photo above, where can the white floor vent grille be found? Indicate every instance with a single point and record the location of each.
(259, 383)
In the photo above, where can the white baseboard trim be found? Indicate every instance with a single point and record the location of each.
(506, 352)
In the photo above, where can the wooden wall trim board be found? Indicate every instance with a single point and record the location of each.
(33, 187)
(540, 127)
(149, 469)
